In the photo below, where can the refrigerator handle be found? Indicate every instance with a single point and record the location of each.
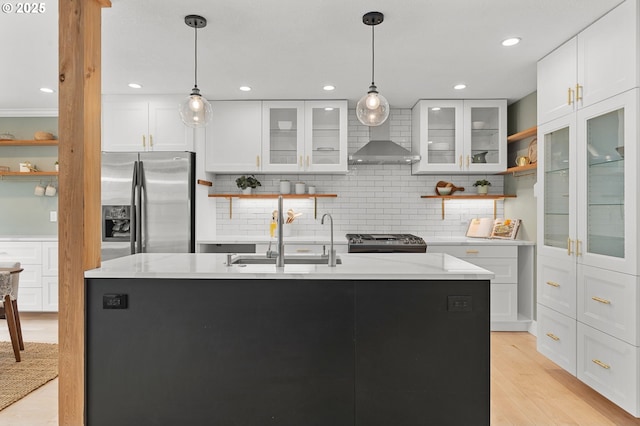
(139, 207)
(133, 226)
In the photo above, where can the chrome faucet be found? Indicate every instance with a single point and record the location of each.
(332, 252)
(280, 254)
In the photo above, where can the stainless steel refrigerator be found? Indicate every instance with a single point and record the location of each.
(147, 203)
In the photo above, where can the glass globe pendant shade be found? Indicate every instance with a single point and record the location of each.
(372, 109)
(195, 111)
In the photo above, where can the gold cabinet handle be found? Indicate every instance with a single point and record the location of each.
(553, 336)
(569, 96)
(578, 89)
(473, 251)
(468, 160)
(601, 364)
(553, 284)
(461, 162)
(601, 300)
(578, 252)
(257, 161)
(144, 141)
(308, 162)
(151, 141)
(300, 161)
(569, 242)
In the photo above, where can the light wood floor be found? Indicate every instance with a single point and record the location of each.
(526, 388)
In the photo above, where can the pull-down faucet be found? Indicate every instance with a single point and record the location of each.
(280, 256)
(332, 252)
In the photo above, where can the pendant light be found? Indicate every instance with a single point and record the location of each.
(372, 108)
(195, 110)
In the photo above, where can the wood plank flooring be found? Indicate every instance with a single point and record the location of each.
(526, 388)
(529, 389)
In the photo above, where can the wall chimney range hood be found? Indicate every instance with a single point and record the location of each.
(382, 150)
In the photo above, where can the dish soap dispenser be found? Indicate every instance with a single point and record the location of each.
(274, 224)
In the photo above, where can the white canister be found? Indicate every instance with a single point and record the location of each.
(312, 190)
(300, 188)
(285, 187)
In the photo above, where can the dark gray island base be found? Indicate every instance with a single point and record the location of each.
(295, 352)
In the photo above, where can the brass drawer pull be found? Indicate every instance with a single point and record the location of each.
(601, 364)
(569, 242)
(601, 300)
(257, 161)
(473, 251)
(578, 89)
(569, 96)
(553, 284)
(553, 336)
(578, 252)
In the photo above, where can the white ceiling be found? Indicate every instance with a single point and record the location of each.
(289, 49)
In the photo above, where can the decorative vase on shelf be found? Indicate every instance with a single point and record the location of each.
(247, 191)
(483, 189)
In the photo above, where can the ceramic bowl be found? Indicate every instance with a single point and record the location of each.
(444, 190)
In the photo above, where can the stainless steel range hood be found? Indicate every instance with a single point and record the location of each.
(381, 149)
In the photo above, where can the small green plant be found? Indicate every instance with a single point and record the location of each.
(482, 182)
(245, 182)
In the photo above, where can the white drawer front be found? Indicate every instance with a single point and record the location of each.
(29, 299)
(23, 252)
(610, 366)
(50, 258)
(557, 338)
(472, 252)
(30, 277)
(557, 284)
(505, 270)
(50, 294)
(504, 302)
(608, 301)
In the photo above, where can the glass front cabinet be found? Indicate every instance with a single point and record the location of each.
(458, 136)
(304, 136)
(587, 212)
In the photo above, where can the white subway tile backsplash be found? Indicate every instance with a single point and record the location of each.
(371, 198)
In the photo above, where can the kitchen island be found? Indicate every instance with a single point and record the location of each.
(391, 339)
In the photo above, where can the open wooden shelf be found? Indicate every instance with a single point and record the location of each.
(28, 173)
(532, 131)
(315, 197)
(516, 169)
(494, 197)
(29, 143)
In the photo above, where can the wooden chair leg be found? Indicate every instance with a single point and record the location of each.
(11, 323)
(14, 305)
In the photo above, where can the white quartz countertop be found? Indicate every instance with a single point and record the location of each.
(341, 240)
(368, 266)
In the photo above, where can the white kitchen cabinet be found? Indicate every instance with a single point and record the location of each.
(133, 123)
(556, 338)
(234, 137)
(460, 136)
(598, 63)
(304, 136)
(587, 241)
(38, 290)
(512, 287)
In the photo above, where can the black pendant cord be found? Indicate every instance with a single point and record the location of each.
(196, 59)
(373, 55)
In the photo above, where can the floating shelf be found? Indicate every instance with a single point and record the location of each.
(516, 169)
(532, 131)
(28, 143)
(28, 174)
(315, 197)
(494, 197)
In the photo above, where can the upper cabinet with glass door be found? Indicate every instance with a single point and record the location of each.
(460, 136)
(304, 136)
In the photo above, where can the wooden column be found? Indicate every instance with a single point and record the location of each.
(79, 180)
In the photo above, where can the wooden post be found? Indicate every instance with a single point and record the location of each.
(79, 198)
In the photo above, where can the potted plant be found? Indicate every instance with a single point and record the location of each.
(482, 185)
(246, 183)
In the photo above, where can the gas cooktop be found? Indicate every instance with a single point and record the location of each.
(385, 243)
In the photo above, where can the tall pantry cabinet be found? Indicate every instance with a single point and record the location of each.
(588, 208)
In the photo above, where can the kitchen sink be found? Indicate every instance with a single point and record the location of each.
(291, 260)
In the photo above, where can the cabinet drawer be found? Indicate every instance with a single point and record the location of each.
(557, 338)
(29, 299)
(610, 366)
(23, 252)
(472, 252)
(557, 284)
(504, 302)
(30, 277)
(50, 294)
(608, 301)
(50, 258)
(505, 270)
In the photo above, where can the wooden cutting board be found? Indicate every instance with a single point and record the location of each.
(443, 184)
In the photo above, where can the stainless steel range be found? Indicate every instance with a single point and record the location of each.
(385, 243)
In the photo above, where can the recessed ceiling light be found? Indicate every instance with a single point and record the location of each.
(46, 90)
(511, 41)
(459, 86)
(435, 109)
(245, 88)
(329, 88)
(135, 85)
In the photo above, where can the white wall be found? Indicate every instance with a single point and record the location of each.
(371, 198)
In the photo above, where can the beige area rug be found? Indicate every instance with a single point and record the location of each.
(17, 379)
